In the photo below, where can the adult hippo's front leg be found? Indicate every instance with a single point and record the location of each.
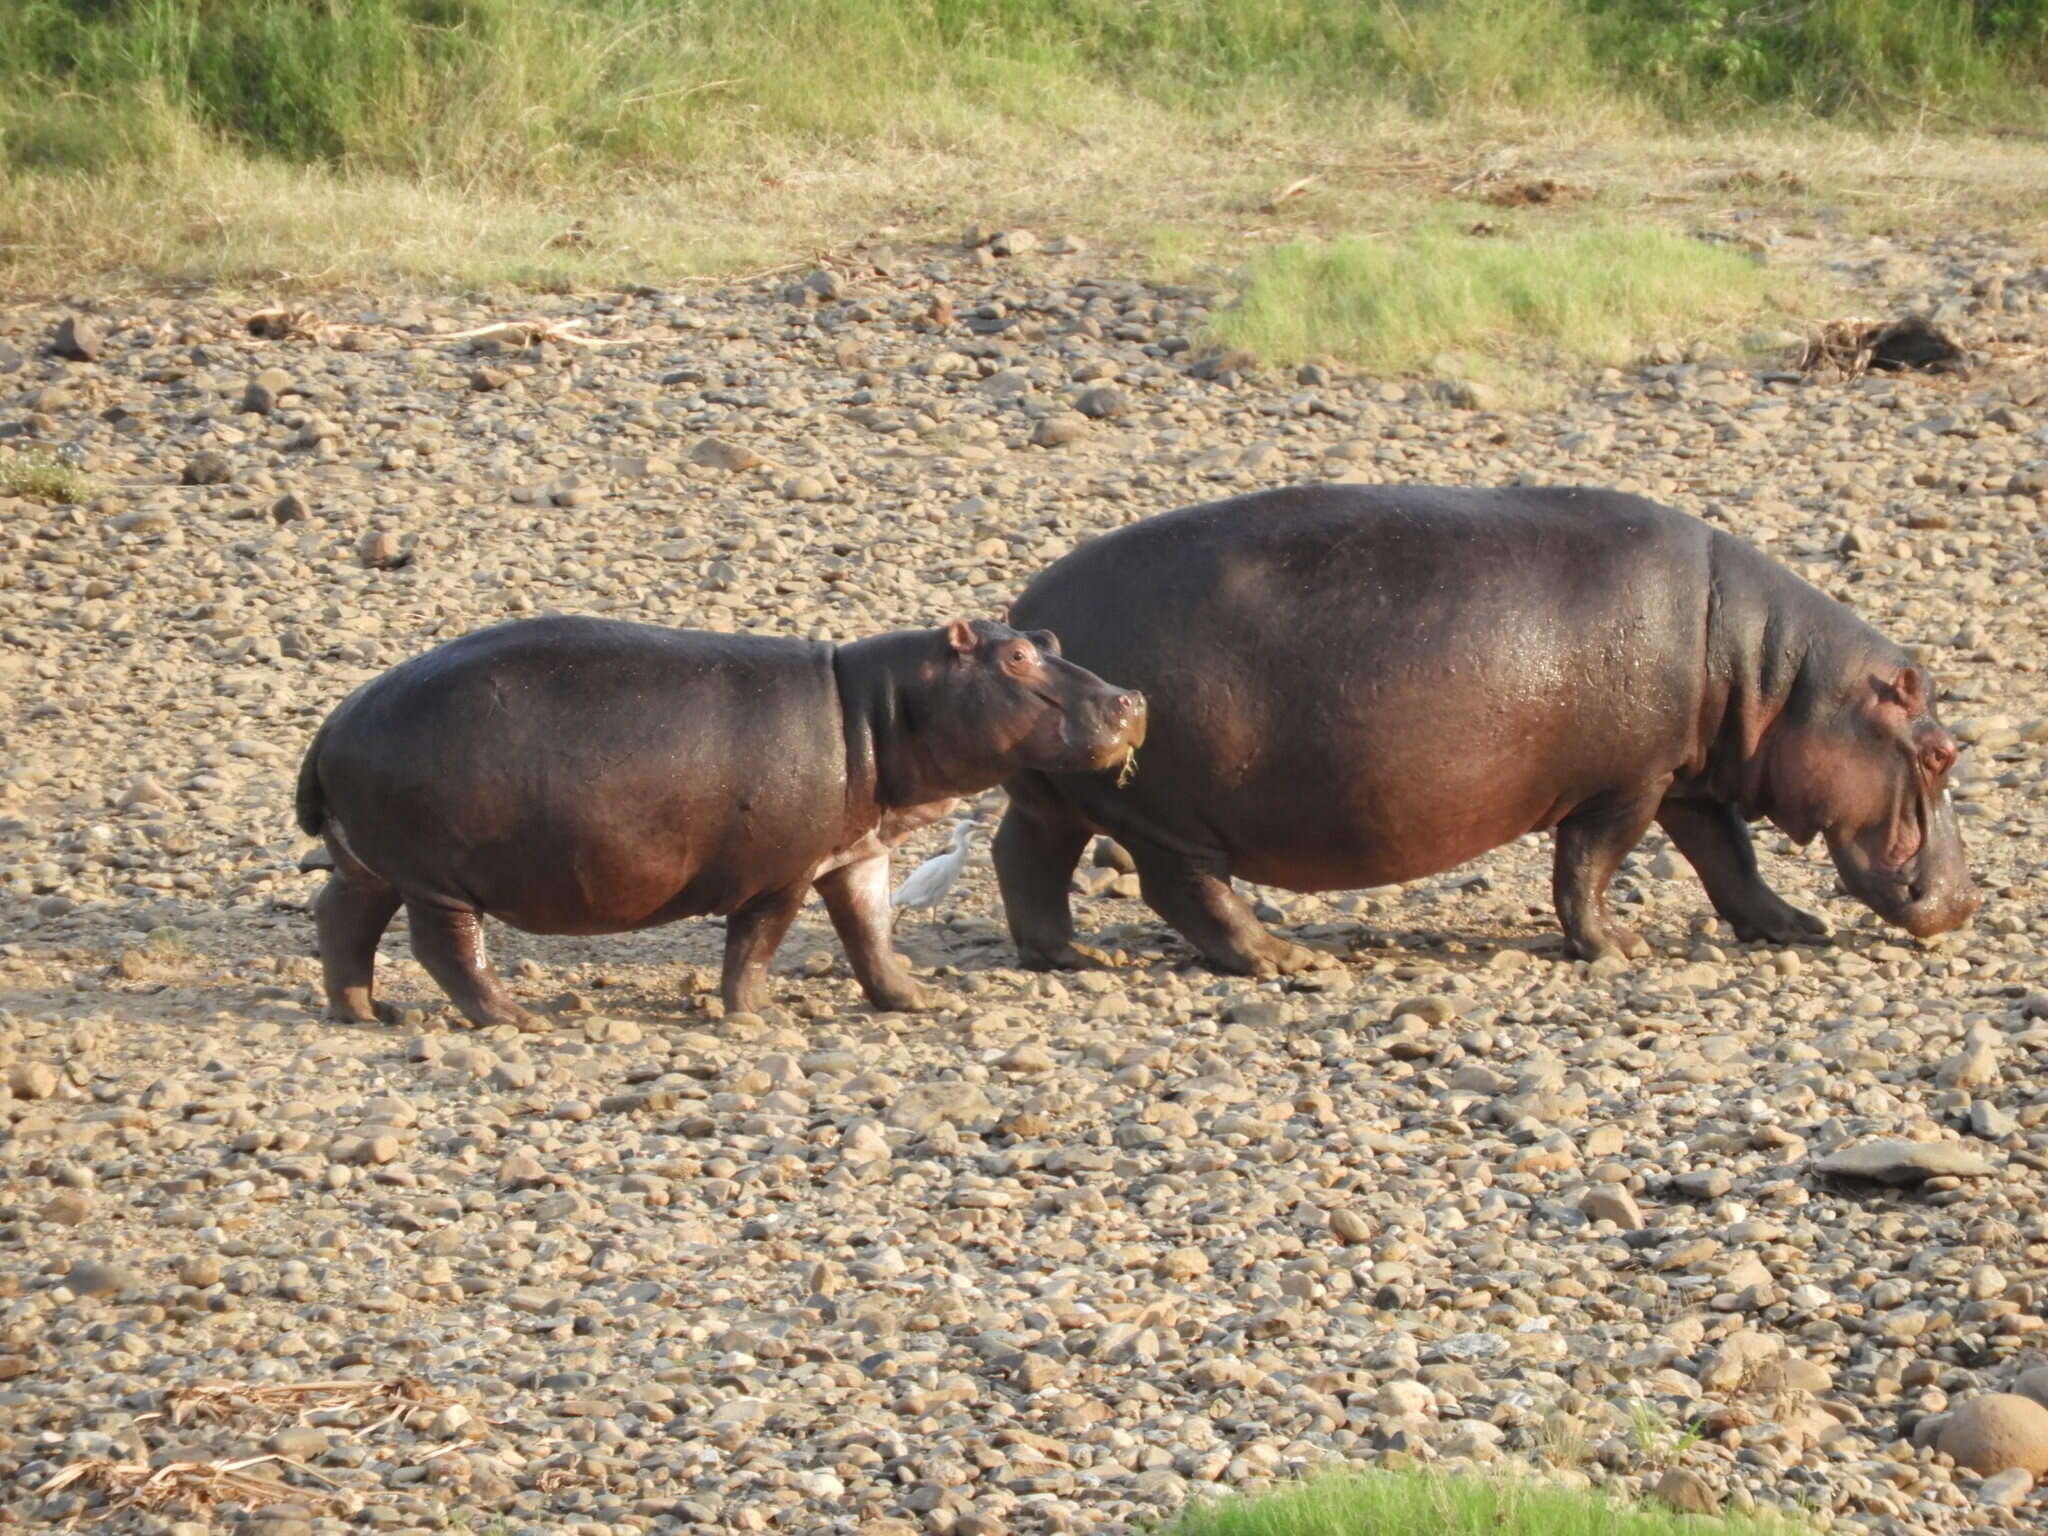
(1716, 842)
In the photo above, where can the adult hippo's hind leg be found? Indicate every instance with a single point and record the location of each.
(1196, 898)
(1715, 841)
(857, 899)
(449, 942)
(752, 935)
(1034, 852)
(349, 916)
(1591, 843)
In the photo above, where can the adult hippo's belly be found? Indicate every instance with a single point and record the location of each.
(1355, 686)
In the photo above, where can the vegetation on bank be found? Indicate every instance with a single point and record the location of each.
(539, 92)
(323, 144)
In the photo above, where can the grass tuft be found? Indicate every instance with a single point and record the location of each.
(1429, 1504)
(39, 475)
(1597, 291)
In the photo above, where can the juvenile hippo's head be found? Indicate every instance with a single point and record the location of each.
(1011, 695)
(1868, 768)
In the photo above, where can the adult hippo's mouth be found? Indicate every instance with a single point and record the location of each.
(1925, 888)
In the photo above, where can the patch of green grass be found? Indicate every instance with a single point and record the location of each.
(1426, 1504)
(39, 475)
(1657, 1437)
(1592, 290)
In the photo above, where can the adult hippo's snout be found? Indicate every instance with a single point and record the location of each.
(1927, 893)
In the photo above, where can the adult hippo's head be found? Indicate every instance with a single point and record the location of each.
(1012, 691)
(1867, 766)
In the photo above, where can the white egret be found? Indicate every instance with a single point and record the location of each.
(927, 885)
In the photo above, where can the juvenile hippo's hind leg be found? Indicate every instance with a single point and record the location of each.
(752, 935)
(349, 916)
(857, 898)
(1715, 841)
(449, 942)
(1591, 843)
(1199, 902)
(1034, 852)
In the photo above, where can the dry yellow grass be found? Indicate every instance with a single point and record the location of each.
(1126, 171)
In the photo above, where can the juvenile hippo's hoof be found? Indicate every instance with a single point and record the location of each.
(1293, 959)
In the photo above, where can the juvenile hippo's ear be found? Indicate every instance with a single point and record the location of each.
(1046, 641)
(961, 636)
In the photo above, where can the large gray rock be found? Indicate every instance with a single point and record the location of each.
(1902, 1162)
(923, 1107)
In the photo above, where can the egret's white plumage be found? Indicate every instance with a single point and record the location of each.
(927, 885)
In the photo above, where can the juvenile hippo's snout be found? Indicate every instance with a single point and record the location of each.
(1109, 724)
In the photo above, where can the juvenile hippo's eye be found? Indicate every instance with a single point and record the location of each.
(1020, 656)
(1936, 758)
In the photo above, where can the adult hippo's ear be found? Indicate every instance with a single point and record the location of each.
(1900, 697)
(961, 636)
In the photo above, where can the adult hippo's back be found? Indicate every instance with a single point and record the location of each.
(1352, 686)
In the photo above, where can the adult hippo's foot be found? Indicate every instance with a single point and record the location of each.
(449, 944)
(1198, 900)
(1591, 843)
(1611, 941)
(350, 915)
(1071, 956)
(1777, 921)
(353, 1009)
(1716, 842)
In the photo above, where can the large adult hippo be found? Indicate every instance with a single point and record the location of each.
(1357, 685)
(579, 775)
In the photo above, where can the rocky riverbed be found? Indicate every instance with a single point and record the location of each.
(1734, 1223)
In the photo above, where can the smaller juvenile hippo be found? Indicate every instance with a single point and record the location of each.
(581, 775)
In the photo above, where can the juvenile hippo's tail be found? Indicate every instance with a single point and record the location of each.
(310, 801)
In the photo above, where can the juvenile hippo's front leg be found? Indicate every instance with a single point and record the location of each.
(1715, 841)
(752, 936)
(857, 898)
